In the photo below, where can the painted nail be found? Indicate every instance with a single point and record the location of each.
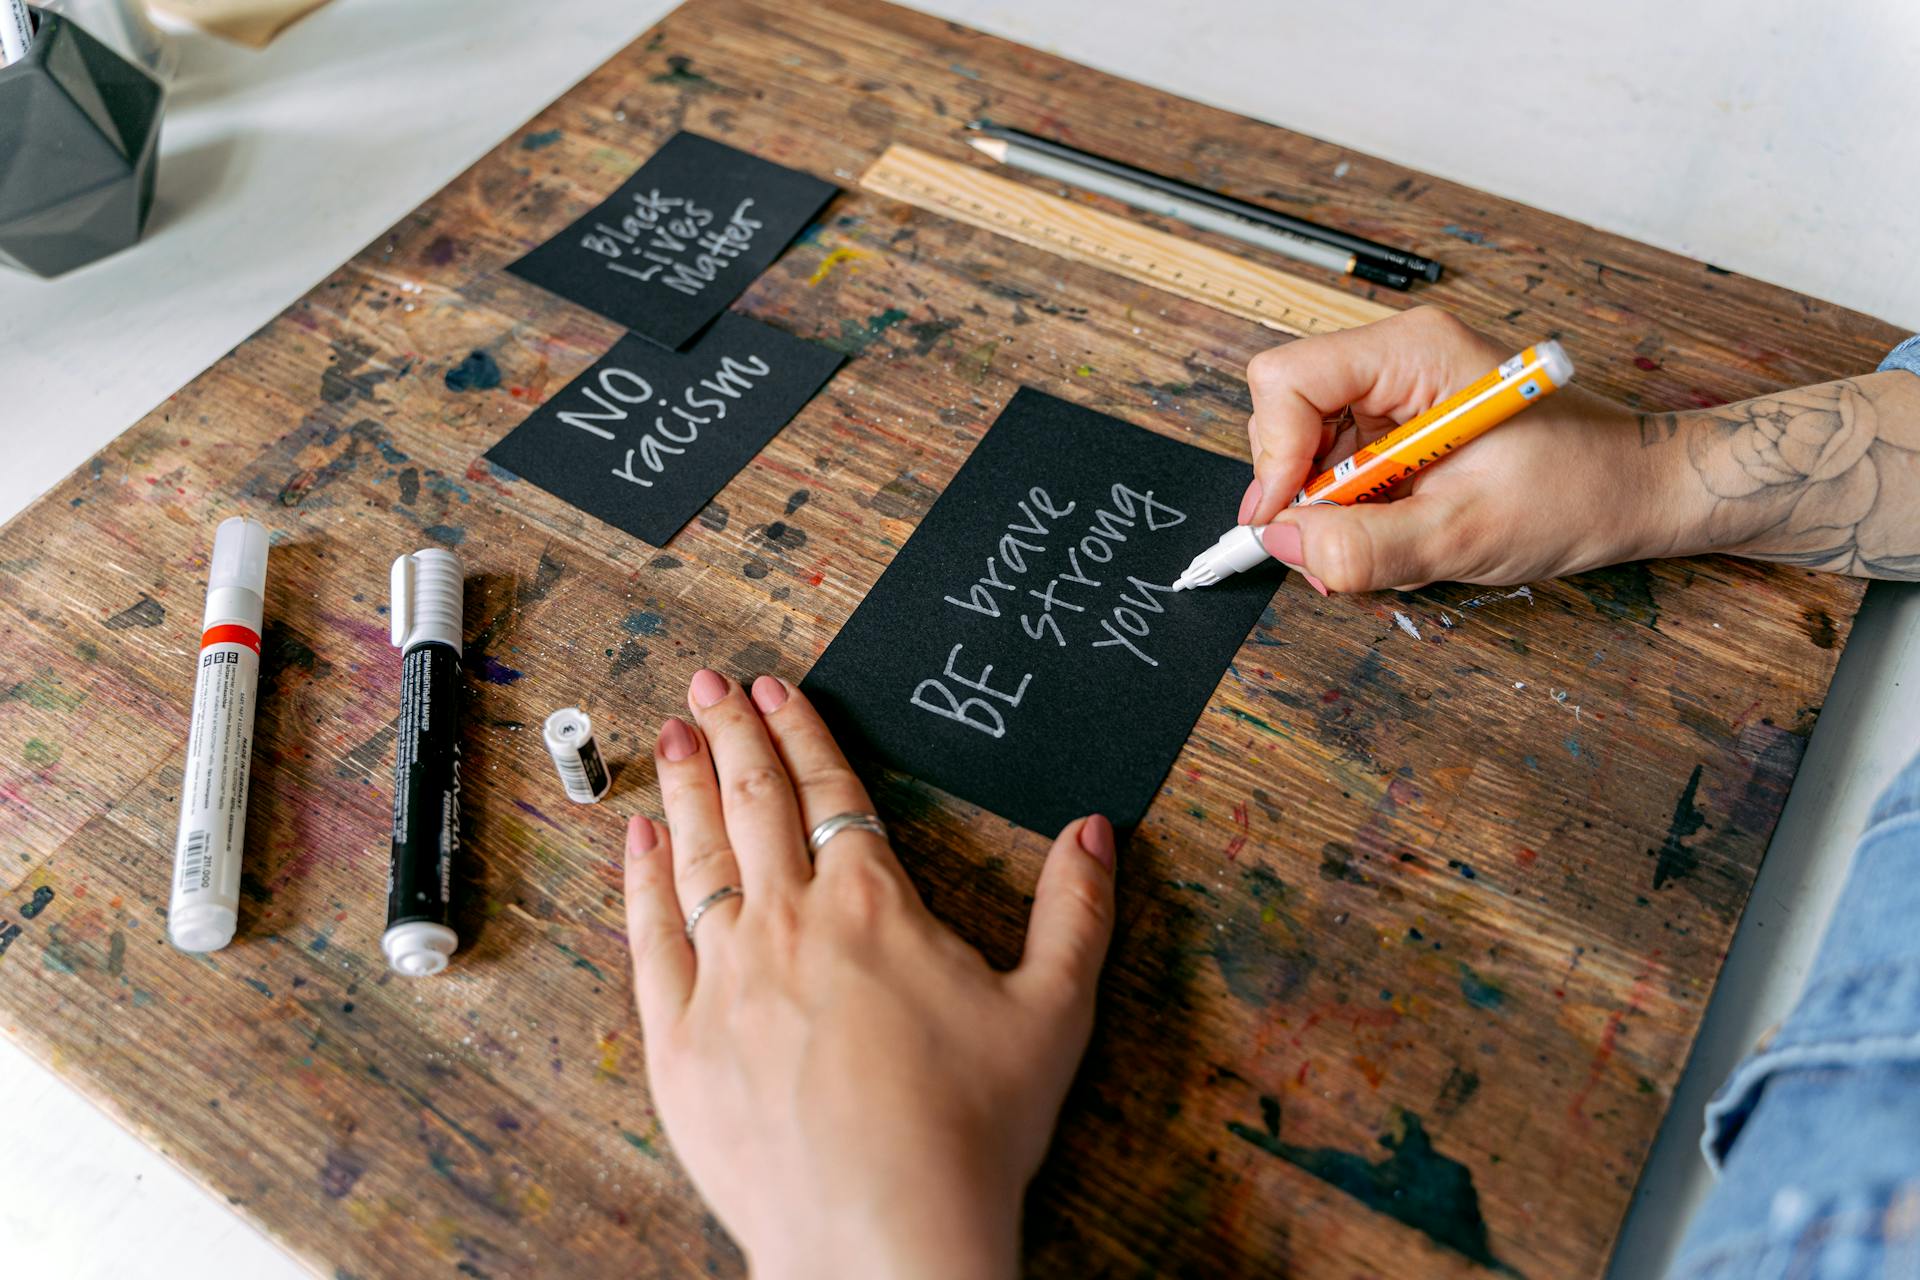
(640, 836)
(1251, 501)
(708, 688)
(1282, 542)
(676, 740)
(769, 694)
(1096, 837)
(1314, 582)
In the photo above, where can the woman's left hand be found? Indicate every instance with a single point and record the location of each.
(851, 1087)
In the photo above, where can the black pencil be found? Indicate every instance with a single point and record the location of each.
(1426, 268)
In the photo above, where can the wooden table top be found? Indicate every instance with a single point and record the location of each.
(1412, 947)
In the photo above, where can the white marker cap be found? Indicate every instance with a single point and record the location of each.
(427, 592)
(204, 926)
(569, 736)
(1556, 363)
(418, 948)
(237, 573)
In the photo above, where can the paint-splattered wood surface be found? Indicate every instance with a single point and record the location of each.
(1412, 947)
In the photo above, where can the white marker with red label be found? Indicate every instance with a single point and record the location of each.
(213, 794)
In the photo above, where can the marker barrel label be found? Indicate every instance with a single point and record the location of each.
(213, 799)
(426, 786)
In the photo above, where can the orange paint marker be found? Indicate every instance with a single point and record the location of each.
(1371, 470)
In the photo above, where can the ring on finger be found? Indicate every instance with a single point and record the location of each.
(828, 828)
(707, 904)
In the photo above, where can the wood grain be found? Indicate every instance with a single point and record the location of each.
(967, 193)
(1412, 948)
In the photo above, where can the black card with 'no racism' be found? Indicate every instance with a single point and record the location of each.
(680, 240)
(1023, 651)
(647, 436)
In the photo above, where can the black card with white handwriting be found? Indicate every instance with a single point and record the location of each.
(1023, 650)
(680, 240)
(647, 436)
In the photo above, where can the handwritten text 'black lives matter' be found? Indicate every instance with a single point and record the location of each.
(617, 394)
(672, 241)
(1092, 599)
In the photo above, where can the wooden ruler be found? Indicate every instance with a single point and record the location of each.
(968, 193)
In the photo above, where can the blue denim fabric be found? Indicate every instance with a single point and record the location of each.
(1905, 356)
(1816, 1135)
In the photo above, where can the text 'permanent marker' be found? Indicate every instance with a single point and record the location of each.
(1372, 469)
(213, 792)
(426, 609)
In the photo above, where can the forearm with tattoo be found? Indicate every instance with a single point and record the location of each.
(1825, 477)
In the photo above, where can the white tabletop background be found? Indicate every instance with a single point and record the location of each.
(1774, 138)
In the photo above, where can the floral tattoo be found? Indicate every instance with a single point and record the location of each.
(1824, 477)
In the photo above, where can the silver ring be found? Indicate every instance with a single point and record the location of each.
(831, 827)
(708, 903)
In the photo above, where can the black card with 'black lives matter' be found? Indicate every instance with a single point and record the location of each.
(647, 436)
(680, 240)
(1024, 650)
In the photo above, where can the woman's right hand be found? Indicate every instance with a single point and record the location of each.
(1564, 487)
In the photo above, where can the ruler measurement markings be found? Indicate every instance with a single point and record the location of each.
(1182, 267)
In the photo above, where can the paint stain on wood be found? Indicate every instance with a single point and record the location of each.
(144, 612)
(478, 372)
(1414, 1184)
(1676, 861)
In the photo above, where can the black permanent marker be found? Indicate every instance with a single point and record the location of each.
(426, 602)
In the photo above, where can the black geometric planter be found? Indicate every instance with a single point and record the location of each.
(79, 131)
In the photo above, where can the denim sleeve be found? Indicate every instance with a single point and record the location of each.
(1905, 356)
(1816, 1136)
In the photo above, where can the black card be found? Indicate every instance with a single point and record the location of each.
(680, 240)
(647, 436)
(1023, 650)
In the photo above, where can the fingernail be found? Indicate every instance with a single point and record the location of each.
(1314, 582)
(1250, 502)
(1282, 542)
(676, 740)
(1096, 837)
(708, 688)
(640, 836)
(1266, 491)
(769, 694)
